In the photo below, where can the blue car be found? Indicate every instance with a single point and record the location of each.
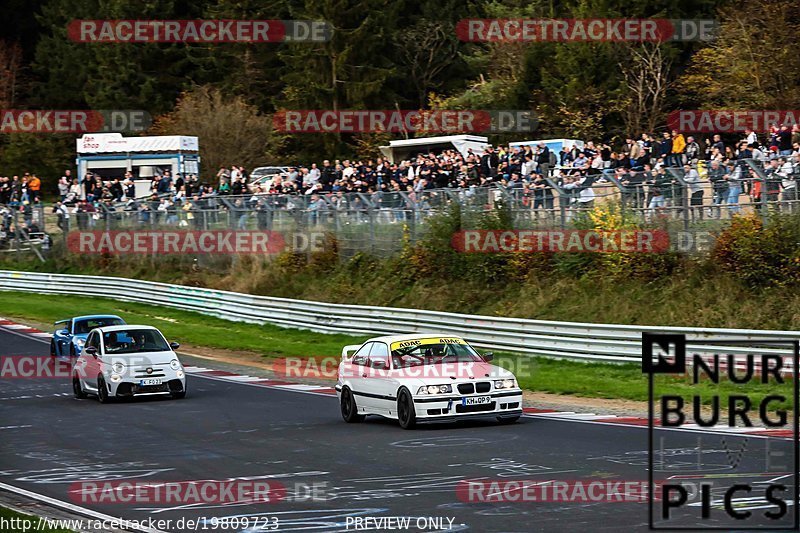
(70, 334)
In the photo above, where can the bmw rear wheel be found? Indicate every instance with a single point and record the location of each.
(349, 407)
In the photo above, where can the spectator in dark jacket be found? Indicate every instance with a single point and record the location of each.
(716, 175)
(489, 163)
(543, 158)
(665, 147)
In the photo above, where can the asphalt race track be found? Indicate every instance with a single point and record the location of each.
(224, 430)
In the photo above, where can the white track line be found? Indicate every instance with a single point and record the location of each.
(245, 378)
(302, 387)
(195, 369)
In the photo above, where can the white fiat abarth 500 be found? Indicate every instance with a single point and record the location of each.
(127, 361)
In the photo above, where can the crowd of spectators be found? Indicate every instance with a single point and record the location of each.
(16, 191)
(641, 168)
(532, 174)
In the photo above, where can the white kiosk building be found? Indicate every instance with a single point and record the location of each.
(397, 151)
(554, 145)
(110, 155)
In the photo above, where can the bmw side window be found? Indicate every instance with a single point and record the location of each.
(360, 357)
(379, 356)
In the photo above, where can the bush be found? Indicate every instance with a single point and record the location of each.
(758, 254)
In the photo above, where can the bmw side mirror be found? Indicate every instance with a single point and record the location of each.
(488, 356)
(91, 350)
(174, 345)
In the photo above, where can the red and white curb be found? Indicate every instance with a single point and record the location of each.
(532, 412)
(642, 422)
(21, 328)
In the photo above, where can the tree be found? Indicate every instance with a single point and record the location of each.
(646, 74)
(10, 73)
(348, 71)
(427, 49)
(753, 63)
(251, 70)
(146, 76)
(45, 155)
(231, 131)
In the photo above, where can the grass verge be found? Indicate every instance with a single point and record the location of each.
(592, 380)
(181, 326)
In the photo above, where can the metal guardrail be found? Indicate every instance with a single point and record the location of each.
(573, 340)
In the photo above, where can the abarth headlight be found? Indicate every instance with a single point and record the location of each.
(435, 389)
(505, 384)
(116, 378)
(118, 368)
(175, 364)
(179, 373)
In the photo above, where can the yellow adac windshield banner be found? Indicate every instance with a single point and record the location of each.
(432, 340)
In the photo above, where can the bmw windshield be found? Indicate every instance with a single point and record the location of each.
(423, 352)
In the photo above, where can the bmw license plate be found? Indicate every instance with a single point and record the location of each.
(144, 382)
(476, 400)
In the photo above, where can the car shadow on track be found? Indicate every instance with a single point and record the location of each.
(440, 426)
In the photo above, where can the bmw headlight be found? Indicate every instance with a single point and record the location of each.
(118, 367)
(505, 384)
(435, 389)
(79, 342)
(175, 364)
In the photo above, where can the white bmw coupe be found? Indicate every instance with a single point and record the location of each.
(424, 378)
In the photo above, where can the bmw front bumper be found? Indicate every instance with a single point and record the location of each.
(502, 404)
